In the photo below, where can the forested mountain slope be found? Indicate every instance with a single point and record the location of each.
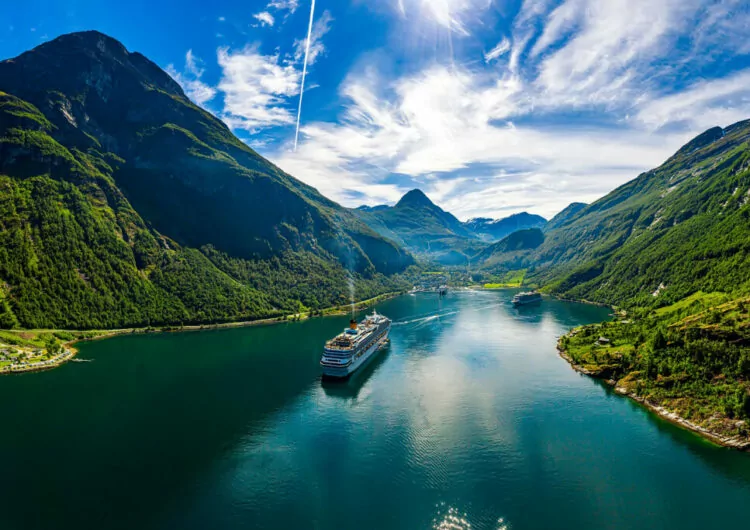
(673, 248)
(424, 228)
(510, 251)
(123, 203)
(565, 216)
(681, 228)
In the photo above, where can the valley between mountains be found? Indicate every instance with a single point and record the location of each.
(125, 205)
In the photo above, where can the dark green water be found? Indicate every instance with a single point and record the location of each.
(470, 418)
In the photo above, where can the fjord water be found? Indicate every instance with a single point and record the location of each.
(468, 419)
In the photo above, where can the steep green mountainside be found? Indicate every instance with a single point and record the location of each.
(673, 248)
(123, 203)
(673, 231)
(424, 228)
(565, 216)
(512, 250)
(691, 358)
(492, 230)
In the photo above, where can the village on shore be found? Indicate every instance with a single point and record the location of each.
(15, 359)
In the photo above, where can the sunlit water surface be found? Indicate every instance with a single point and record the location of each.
(468, 420)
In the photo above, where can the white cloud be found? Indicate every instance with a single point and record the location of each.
(265, 18)
(499, 50)
(448, 13)
(491, 141)
(256, 89)
(561, 21)
(317, 49)
(453, 15)
(440, 124)
(283, 5)
(702, 105)
(190, 80)
(600, 63)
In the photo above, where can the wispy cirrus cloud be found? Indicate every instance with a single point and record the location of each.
(190, 80)
(284, 5)
(573, 98)
(317, 48)
(450, 131)
(500, 49)
(484, 142)
(703, 104)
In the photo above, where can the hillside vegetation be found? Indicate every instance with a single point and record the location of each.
(424, 228)
(124, 204)
(692, 358)
(673, 231)
(655, 246)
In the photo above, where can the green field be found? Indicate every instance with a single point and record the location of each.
(509, 280)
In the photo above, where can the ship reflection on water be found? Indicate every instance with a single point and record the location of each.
(351, 387)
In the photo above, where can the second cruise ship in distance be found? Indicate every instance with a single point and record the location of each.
(350, 350)
(526, 298)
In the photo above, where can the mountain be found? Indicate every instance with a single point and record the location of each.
(424, 228)
(673, 231)
(673, 248)
(565, 216)
(496, 229)
(511, 250)
(123, 203)
(376, 208)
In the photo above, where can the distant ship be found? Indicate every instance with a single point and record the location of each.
(526, 298)
(350, 350)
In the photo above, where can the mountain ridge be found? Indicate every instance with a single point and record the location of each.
(423, 228)
(693, 209)
(156, 188)
(493, 230)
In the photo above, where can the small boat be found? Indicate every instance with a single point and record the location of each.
(350, 350)
(531, 297)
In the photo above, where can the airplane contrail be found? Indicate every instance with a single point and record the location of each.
(304, 72)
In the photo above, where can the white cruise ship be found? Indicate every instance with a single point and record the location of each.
(526, 298)
(349, 351)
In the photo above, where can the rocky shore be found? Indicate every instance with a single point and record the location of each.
(734, 442)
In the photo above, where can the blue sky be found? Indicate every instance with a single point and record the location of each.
(490, 106)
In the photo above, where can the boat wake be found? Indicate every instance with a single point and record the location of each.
(439, 314)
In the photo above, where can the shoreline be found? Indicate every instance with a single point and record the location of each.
(106, 334)
(582, 301)
(731, 442)
(70, 353)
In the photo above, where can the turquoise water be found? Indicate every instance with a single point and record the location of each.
(469, 419)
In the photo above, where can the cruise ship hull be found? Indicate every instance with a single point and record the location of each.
(526, 302)
(344, 371)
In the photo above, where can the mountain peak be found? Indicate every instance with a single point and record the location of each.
(706, 138)
(74, 63)
(92, 41)
(415, 197)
